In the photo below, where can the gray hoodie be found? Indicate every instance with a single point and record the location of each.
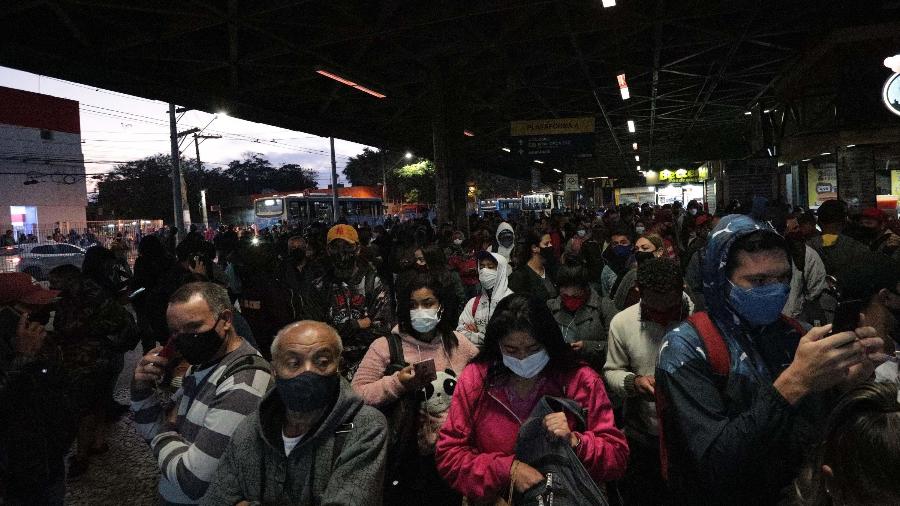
(311, 474)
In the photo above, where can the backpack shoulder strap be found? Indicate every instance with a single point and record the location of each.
(716, 349)
(395, 349)
(475, 304)
(244, 363)
(794, 324)
(563, 404)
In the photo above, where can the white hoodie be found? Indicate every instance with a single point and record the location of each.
(500, 248)
(486, 303)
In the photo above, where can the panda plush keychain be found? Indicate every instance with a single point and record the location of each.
(435, 403)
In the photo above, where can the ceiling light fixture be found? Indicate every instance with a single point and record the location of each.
(634, 146)
(344, 80)
(506, 149)
(851, 145)
(747, 113)
(623, 86)
(468, 133)
(637, 158)
(631, 126)
(608, 3)
(638, 168)
(540, 162)
(806, 159)
(557, 170)
(824, 154)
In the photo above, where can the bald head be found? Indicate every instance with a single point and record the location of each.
(306, 346)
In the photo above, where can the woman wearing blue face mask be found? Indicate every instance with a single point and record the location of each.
(524, 358)
(425, 332)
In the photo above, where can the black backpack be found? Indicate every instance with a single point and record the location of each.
(567, 482)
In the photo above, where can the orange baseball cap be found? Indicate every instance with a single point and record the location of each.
(345, 232)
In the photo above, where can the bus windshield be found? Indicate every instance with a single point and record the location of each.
(269, 207)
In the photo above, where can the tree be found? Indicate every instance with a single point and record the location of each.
(365, 169)
(138, 189)
(415, 182)
(143, 188)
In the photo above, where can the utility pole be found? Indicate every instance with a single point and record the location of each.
(203, 207)
(334, 188)
(176, 173)
(200, 168)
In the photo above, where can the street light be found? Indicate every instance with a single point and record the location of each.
(631, 126)
(408, 155)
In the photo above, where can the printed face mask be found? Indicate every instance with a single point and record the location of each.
(528, 367)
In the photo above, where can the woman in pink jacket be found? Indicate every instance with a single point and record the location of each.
(523, 359)
(426, 331)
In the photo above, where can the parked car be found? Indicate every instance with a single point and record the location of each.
(10, 258)
(37, 259)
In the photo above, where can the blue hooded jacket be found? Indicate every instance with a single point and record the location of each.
(735, 440)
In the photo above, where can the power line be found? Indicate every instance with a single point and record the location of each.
(115, 113)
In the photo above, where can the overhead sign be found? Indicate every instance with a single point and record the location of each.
(684, 175)
(555, 138)
(891, 94)
(553, 126)
(571, 183)
(551, 147)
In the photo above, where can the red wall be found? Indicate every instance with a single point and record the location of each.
(33, 110)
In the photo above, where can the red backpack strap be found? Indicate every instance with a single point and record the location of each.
(475, 304)
(794, 324)
(719, 361)
(716, 349)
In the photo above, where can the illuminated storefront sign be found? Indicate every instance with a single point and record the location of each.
(684, 175)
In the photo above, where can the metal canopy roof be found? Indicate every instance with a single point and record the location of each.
(694, 67)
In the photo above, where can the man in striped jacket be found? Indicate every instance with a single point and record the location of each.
(189, 430)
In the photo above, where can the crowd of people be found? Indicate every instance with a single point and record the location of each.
(633, 355)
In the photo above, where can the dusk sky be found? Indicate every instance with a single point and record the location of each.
(116, 127)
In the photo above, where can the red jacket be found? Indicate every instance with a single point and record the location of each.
(475, 447)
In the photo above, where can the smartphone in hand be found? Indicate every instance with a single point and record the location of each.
(846, 315)
(426, 370)
(169, 349)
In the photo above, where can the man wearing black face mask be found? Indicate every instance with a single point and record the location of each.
(312, 440)
(349, 296)
(225, 382)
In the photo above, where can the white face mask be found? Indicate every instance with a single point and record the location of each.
(693, 211)
(457, 242)
(488, 278)
(639, 230)
(424, 320)
(528, 367)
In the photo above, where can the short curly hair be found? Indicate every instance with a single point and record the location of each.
(660, 275)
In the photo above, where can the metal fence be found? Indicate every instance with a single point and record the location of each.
(38, 249)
